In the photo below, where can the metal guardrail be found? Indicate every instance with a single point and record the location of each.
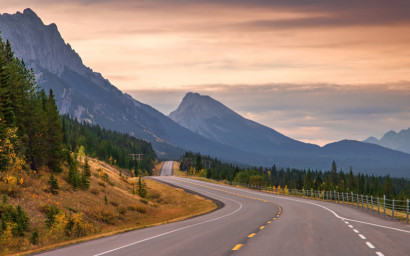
(396, 209)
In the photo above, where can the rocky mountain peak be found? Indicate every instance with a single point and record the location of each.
(197, 106)
(39, 44)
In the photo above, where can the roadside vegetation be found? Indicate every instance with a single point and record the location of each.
(331, 180)
(38, 218)
(54, 189)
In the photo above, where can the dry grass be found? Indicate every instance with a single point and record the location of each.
(123, 210)
(176, 170)
(157, 168)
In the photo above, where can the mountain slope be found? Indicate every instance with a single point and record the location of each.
(213, 120)
(398, 141)
(88, 97)
(210, 118)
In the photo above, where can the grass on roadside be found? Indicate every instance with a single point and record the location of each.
(107, 207)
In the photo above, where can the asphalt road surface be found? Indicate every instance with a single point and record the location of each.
(166, 169)
(257, 223)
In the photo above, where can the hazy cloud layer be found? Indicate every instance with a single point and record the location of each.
(317, 113)
(140, 44)
(307, 54)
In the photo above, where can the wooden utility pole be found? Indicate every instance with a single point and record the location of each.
(208, 164)
(137, 157)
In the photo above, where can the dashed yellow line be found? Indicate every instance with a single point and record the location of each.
(237, 247)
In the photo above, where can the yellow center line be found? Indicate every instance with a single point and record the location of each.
(269, 222)
(252, 235)
(237, 247)
(262, 227)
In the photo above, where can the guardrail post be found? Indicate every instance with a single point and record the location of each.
(407, 211)
(392, 211)
(352, 197)
(371, 200)
(367, 203)
(343, 198)
(362, 201)
(384, 205)
(358, 205)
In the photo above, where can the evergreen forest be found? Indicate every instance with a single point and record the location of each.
(328, 180)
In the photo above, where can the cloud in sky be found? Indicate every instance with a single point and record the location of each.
(146, 43)
(317, 71)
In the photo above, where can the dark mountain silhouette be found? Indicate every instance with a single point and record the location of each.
(215, 121)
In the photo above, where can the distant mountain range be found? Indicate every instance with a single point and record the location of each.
(200, 123)
(89, 97)
(398, 141)
(213, 120)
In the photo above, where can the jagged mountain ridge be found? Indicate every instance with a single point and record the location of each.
(215, 121)
(87, 96)
(394, 140)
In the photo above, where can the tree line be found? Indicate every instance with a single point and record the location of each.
(333, 179)
(34, 136)
(109, 146)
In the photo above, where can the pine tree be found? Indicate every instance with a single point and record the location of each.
(51, 216)
(34, 237)
(87, 170)
(198, 165)
(73, 175)
(351, 180)
(22, 221)
(388, 187)
(142, 188)
(308, 180)
(54, 134)
(334, 175)
(53, 184)
(85, 182)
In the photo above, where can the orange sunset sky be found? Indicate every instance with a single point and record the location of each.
(317, 71)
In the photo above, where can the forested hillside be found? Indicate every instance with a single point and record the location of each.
(30, 130)
(109, 146)
(45, 173)
(333, 179)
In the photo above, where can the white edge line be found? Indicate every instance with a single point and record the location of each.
(306, 202)
(175, 230)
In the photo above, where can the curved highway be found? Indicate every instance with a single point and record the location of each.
(257, 223)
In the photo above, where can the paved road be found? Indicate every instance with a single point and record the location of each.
(277, 225)
(166, 169)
